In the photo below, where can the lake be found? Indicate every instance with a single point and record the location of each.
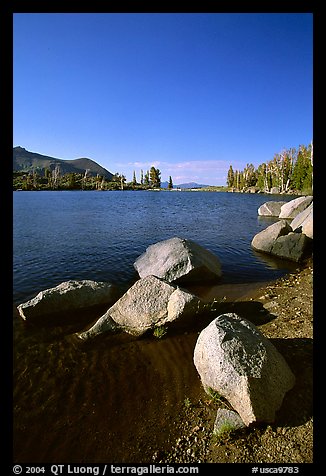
(98, 235)
(117, 399)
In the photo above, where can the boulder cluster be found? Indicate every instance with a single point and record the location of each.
(231, 355)
(290, 237)
(155, 300)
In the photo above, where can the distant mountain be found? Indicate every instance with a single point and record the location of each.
(190, 185)
(184, 185)
(26, 161)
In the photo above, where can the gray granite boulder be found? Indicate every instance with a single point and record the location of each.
(307, 226)
(265, 239)
(304, 221)
(279, 240)
(149, 303)
(292, 246)
(178, 259)
(234, 359)
(292, 208)
(270, 209)
(68, 296)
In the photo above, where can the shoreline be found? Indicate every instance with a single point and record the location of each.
(289, 303)
(212, 188)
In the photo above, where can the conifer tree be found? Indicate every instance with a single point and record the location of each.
(230, 178)
(134, 180)
(154, 177)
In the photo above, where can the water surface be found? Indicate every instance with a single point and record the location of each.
(98, 235)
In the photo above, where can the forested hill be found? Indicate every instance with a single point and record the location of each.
(25, 161)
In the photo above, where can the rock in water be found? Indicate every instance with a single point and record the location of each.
(178, 258)
(234, 359)
(279, 240)
(304, 222)
(265, 239)
(292, 208)
(68, 296)
(293, 246)
(270, 209)
(149, 303)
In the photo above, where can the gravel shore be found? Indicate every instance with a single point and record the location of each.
(283, 311)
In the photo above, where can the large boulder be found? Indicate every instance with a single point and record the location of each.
(265, 239)
(270, 209)
(304, 221)
(149, 303)
(234, 359)
(68, 296)
(292, 208)
(293, 246)
(307, 226)
(279, 240)
(178, 259)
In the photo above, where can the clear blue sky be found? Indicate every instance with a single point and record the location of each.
(188, 93)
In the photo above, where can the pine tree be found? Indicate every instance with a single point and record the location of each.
(290, 169)
(134, 180)
(302, 170)
(230, 178)
(170, 184)
(154, 177)
(122, 181)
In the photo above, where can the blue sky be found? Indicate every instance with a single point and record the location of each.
(189, 93)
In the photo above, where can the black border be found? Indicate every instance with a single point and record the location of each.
(6, 78)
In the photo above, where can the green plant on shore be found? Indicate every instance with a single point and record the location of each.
(214, 396)
(160, 331)
(210, 306)
(223, 432)
(187, 402)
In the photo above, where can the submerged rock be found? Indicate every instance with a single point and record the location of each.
(234, 359)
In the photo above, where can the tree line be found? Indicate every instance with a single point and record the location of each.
(289, 171)
(38, 179)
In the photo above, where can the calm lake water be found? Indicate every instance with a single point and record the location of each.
(98, 235)
(117, 399)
